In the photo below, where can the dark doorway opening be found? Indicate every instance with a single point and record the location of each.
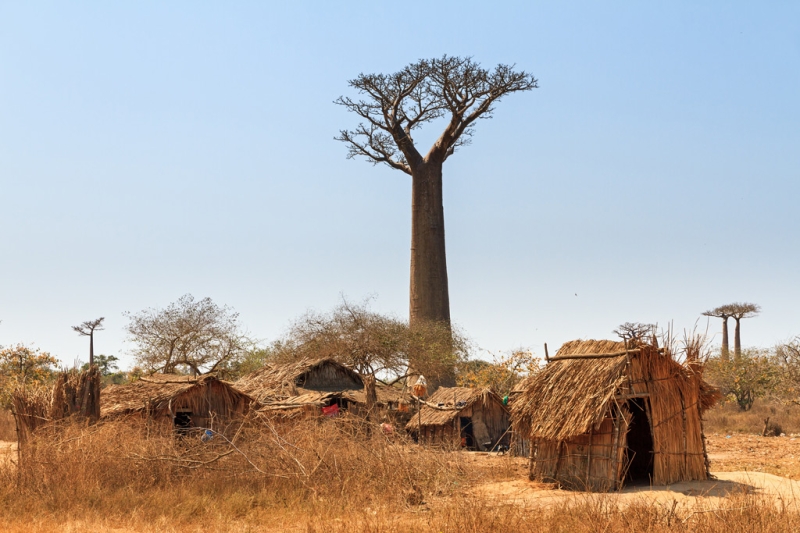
(640, 443)
(183, 421)
(467, 436)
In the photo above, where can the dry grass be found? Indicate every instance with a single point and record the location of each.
(7, 431)
(728, 418)
(312, 476)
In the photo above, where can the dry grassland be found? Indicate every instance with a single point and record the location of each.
(334, 477)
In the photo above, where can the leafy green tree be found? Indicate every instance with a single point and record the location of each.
(110, 373)
(107, 364)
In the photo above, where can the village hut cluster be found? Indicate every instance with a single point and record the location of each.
(598, 415)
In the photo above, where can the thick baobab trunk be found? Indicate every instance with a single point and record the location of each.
(91, 349)
(429, 295)
(725, 347)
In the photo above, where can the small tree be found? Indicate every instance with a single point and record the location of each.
(22, 366)
(754, 374)
(188, 335)
(635, 332)
(374, 344)
(87, 329)
(499, 375)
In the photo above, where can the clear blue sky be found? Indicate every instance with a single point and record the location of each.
(152, 149)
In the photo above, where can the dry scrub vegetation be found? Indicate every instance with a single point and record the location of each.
(7, 432)
(308, 476)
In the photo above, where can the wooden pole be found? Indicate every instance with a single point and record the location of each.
(546, 355)
(589, 459)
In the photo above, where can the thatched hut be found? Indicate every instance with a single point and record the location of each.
(183, 402)
(460, 416)
(305, 385)
(599, 415)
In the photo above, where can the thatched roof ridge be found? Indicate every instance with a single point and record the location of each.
(450, 402)
(276, 381)
(154, 391)
(568, 397)
(584, 347)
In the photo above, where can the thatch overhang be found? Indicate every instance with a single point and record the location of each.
(158, 392)
(444, 405)
(276, 382)
(571, 396)
(568, 397)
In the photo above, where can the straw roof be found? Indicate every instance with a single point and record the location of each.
(275, 381)
(447, 402)
(156, 391)
(570, 396)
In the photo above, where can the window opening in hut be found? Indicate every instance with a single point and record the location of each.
(640, 443)
(183, 421)
(467, 435)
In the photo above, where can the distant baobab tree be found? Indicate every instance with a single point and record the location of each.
(392, 106)
(635, 332)
(740, 310)
(737, 311)
(87, 329)
(724, 313)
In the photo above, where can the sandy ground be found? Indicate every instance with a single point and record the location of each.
(688, 495)
(766, 466)
(752, 453)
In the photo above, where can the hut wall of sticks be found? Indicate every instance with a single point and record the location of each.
(182, 402)
(74, 393)
(600, 414)
(462, 417)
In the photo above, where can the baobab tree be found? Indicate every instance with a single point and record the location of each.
(392, 106)
(724, 313)
(740, 310)
(736, 311)
(87, 329)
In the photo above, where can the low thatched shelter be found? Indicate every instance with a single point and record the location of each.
(305, 385)
(183, 402)
(599, 415)
(460, 416)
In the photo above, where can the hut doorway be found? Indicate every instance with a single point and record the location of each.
(183, 421)
(640, 443)
(467, 434)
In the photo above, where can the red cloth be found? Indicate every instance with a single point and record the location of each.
(331, 410)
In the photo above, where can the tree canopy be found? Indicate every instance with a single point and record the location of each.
(394, 105)
(372, 343)
(187, 335)
(22, 366)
